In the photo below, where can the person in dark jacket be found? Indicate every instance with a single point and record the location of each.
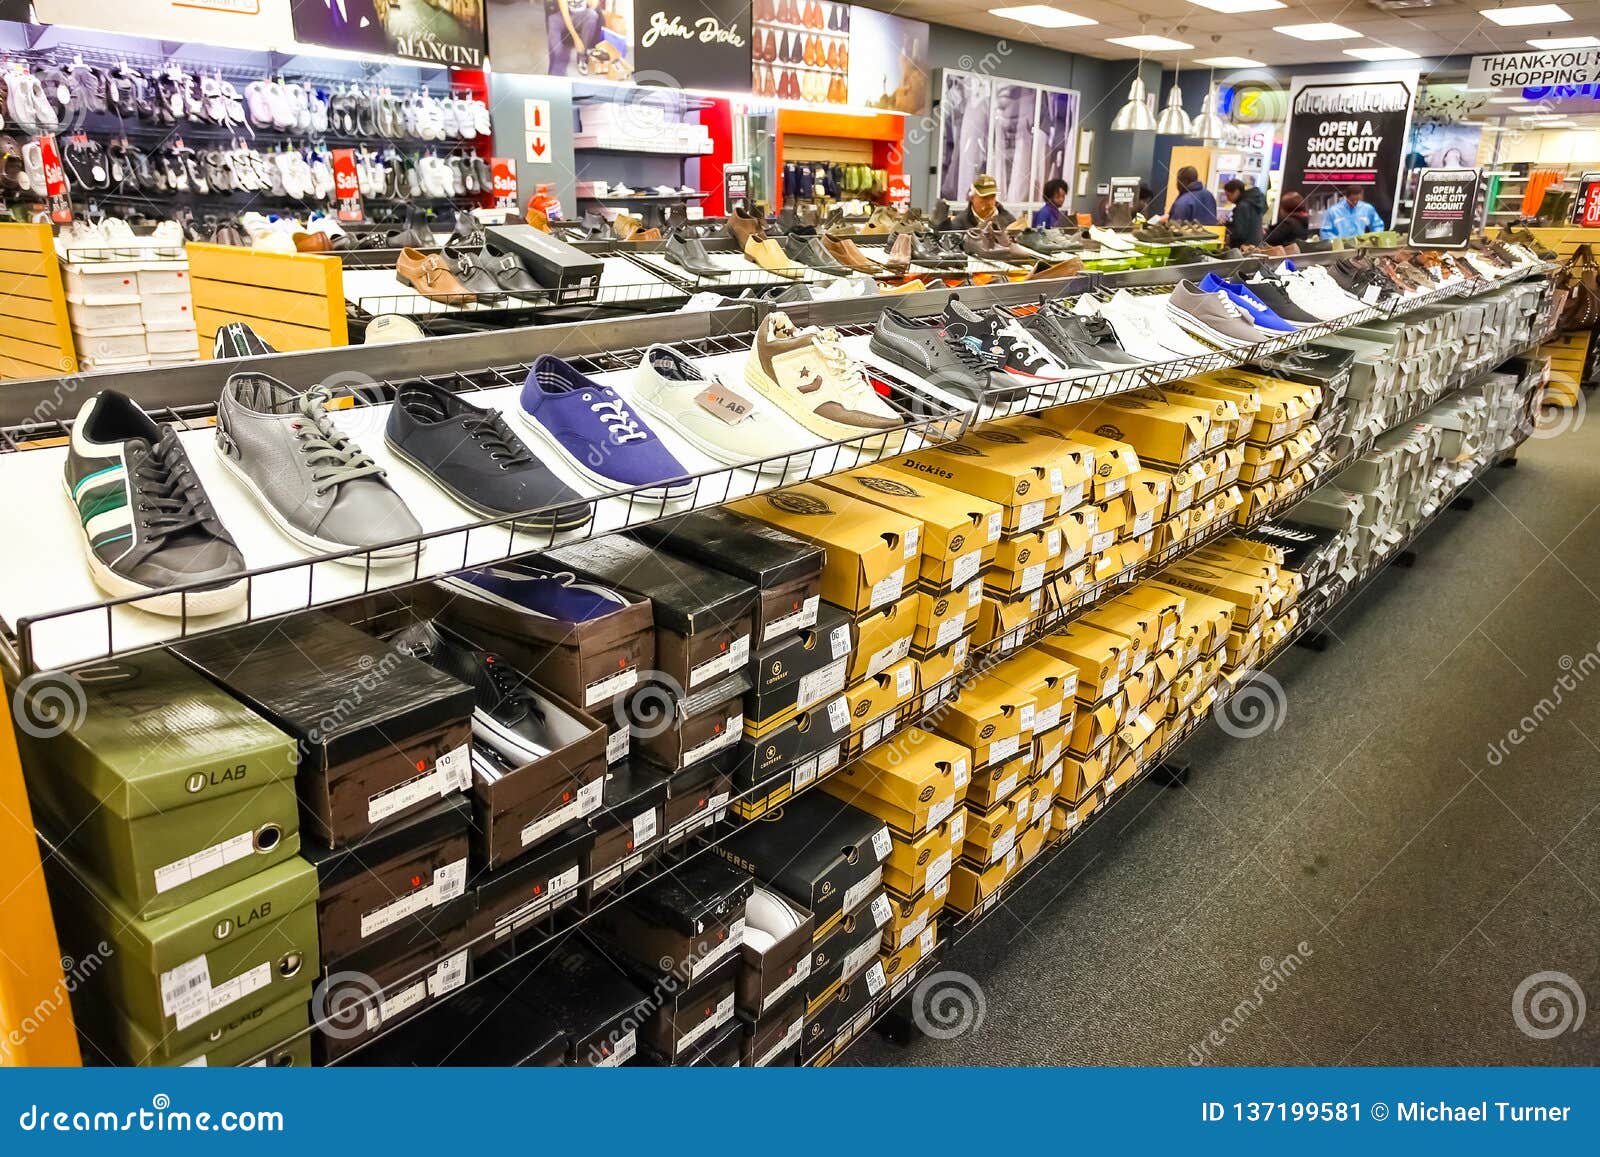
(1195, 202)
(1294, 221)
(1249, 212)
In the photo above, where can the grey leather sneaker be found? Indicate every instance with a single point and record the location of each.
(309, 477)
(940, 361)
(1211, 316)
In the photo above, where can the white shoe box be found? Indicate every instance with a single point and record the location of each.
(93, 316)
(169, 277)
(173, 341)
(105, 345)
(168, 311)
(115, 283)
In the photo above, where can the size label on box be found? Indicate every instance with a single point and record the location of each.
(197, 864)
(448, 882)
(818, 685)
(913, 541)
(881, 911)
(938, 868)
(622, 1053)
(1102, 542)
(1142, 524)
(1115, 486)
(728, 736)
(839, 641)
(974, 593)
(861, 889)
(794, 621)
(858, 957)
(882, 844)
(1072, 497)
(965, 568)
(905, 681)
(187, 995)
(586, 800)
(1032, 578)
(949, 631)
(611, 686)
(790, 1038)
(1003, 748)
(996, 526)
(887, 589)
(1047, 717)
(1030, 516)
(441, 781)
(875, 982)
(450, 974)
(719, 1017)
(938, 812)
(889, 656)
(735, 937)
(911, 931)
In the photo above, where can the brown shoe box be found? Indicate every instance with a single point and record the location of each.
(483, 1025)
(415, 968)
(631, 822)
(522, 893)
(591, 664)
(773, 1040)
(768, 979)
(686, 741)
(702, 617)
(591, 999)
(396, 878)
(681, 927)
(786, 571)
(698, 796)
(382, 735)
(721, 1048)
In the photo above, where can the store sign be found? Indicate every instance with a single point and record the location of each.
(1520, 70)
(1587, 210)
(1348, 130)
(450, 36)
(1124, 190)
(899, 191)
(346, 186)
(504, 170)
(56, 194)
(735, 187)
(1446, 208)
(693, 43)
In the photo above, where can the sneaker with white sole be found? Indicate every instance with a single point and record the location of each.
(809, 375)
(722, 423)
(147, 522)
(1213, 316)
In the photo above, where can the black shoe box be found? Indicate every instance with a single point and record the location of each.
(364, 995)
(382, 735)
(521, 894)
(845, 950)
(852, 1002)
(395, 878)
(785, 570)
(800, 670)
(630, 824)
(553, 263)
(663, 734)
(772, 1040)
(816, 850)
(697, 796)
(702, 616)
(484, 1025)
(807, 746)
(1309, 551)
(591, 664)
(722, 1049)
(683, 926)
(590, 998)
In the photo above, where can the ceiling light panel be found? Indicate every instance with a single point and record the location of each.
(1318, 31)
(1042, 16)
(1382, 52)
(1151, 43)
(1525, 14)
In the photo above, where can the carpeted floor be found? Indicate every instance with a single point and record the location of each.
(1368, 884)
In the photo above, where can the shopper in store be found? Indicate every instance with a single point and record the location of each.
(1294, 221)
(1350, 215)
(1052, 214)
(983, 205)
(1249, 203)
(1195, 203)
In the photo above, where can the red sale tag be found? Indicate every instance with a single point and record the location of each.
(346, 186)
(1589, 202)
(505, 181)
(900, 190)
(55, 181)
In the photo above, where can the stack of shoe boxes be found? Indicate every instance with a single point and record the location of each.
(172, 815)
(383, 742)
(1318, 556)
(1257, 592)
(1276, 459)
(133, 313)
(825, 859)
(1329, 368)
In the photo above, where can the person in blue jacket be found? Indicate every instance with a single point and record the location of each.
(1195, 202)
(1350, 215)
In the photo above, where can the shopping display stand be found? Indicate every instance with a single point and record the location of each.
(1569, 353)
(296, 301)
(35, 329)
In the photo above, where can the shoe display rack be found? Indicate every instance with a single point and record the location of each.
(61, 626)
(35, 328)
(296, 301)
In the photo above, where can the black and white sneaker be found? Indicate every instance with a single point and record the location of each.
(147, 523)
(1077, 341)
(1002, 338)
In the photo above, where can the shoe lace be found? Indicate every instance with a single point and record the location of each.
(841, 367)
(1229, 306)
(621, 425)
(491, 432)
(170, 499)
(334, 458)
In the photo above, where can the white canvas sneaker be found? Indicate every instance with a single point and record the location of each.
(728, 425)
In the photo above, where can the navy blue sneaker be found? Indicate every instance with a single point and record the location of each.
(522, 587)
(1254, 308)
(598, 433)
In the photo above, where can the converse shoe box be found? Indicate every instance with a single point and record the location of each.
(594, 1003)
(381, 735)
(395, 878)
(774, 968)
(798, 671)
(169, 787)
(553, 263)
(486, 1024)
(528, 890)
(785, 571)
(841, 953)
(414, 966)
(591, 664)
(196, 975)
(632, 818)
(774, 1039)
(820, 853)
(703, 617)
(873, 556)
(957, 528)
(799, 750)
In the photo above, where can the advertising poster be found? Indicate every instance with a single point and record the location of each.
(1055, 146)
(575, 38)
(446, 33)
(1348, 130)
(242, 23)
(963, 132)
(703, 43)
(1446, 208)
(889, 61)
(1015, 121)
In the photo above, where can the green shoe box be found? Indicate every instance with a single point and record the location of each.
(203, 969)
(170, 787)
(271, 1036)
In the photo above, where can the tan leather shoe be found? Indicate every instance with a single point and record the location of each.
(625, 225)
(743, 225)
(650, 234)
(1070, 267)
(768, 254)
(911, 286)
(844, 251)
(430, 276)
(313, 243)
(898, 254)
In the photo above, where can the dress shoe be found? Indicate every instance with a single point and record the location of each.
(898, 253)
(809, 251)
(744, 226)
(313, 243)
(428, 274)
(1069, 267)
(685, 251)
(769, 255)
(844, 251)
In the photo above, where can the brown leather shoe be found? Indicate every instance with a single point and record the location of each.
(1070, 267)
(898, 258)
(994, 244)
(844, 251)
(650, 234)
(430, 276)
(742, 225)
(625, 225)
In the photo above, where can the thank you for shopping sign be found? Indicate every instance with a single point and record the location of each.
(1520, 70)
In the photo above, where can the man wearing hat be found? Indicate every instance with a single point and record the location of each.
(983, 206)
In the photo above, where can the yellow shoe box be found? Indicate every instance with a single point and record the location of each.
(910, 915)
(1162, 432)
(1248, 595)
(943, 619)
(1114, 460)
(882, 638)
(1141, 626)
(1000, 618)
(1102, 659)
(1169, 606)
(875, 702)
(911, 784)
(1235, 408)
(915, 865)
(1093, 726)
(1050, 679)
(1023, 563)
(994, 783)
(988, 470)
(957, 528)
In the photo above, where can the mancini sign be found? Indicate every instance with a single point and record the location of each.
(1534, 69)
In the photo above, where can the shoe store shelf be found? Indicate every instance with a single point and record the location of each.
(658, 198)
(53, 615)
(588, 143)
(952, 930)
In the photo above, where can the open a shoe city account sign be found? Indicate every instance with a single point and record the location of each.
(1445, 208)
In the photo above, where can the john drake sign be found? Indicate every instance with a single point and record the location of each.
(694, 43)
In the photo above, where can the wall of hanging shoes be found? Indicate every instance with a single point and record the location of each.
(543, 841)
(139, 132)
(801, 50)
